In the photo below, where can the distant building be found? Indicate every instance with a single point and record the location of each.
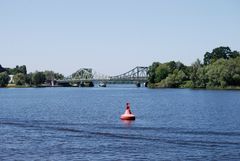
(11, 81)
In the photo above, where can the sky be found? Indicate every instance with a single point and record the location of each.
(113, 36)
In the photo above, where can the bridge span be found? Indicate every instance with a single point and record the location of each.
(87, 76)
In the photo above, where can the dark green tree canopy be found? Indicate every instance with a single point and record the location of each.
(162, 72)
(19, 79)
(51, 76)
(18, 69)
(38, 78)
(151, 72)
(4, 79)
(221, 69)
(2, 69)
(219, 53)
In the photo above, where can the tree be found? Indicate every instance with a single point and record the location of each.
(22, 69)
(219, 53)
(180, 66)
(229, 71)
(151, 72)
(172, 66)
(4, 79)
(207, 58)
(202, 79)
(18, 69)
(38, 78)
(176, 79)
(233, 67)
(170, 74)
(2, 69)
(216, 73)
(234, 54)
(224, 73)
(197, 64)
(193, 73)
(49, 75)
(29, 79)
(58, 76)
(161, 72)
(19, 79)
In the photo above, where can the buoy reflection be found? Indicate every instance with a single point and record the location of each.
(127, 122)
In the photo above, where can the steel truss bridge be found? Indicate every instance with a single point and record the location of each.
(138, 74)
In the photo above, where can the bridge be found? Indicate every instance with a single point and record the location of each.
(88, 76)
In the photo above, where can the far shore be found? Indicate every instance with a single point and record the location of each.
(152, 87)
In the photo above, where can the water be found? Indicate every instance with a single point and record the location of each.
(83, 124)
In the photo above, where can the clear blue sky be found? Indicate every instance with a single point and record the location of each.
(113, 36)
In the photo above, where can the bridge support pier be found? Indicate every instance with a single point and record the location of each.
(146, 84)
(141, 84)
(86, 84)
(138, 84)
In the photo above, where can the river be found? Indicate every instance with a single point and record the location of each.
(83, 124)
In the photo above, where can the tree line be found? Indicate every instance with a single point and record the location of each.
(220, 69)
(22, 78)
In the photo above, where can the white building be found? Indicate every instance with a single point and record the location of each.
(11, 81)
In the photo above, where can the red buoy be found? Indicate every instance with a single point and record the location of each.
(127, 114)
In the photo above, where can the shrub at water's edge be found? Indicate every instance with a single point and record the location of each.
(220, 70)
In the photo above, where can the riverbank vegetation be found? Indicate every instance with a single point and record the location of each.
(18, 77)
(220, 70)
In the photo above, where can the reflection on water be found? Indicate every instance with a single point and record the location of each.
(128, 122)
(85, 124)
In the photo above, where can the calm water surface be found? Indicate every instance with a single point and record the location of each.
(83, 124)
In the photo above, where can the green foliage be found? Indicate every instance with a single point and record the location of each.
(49, 75)
(19, 79)
(19, 69)
(152, 73)
(38, 78)
(233, 68)
(219, 53)
(58, 76)
(28, 79)
(4, 79)
(174, 80)
(224, 73)
(197, 75)
(234, 54)
(172, 65)
(2, 69)
(22, 78)
(221, 69)
(216, 73)
(202, 78)
(158, 72)
(170, 74)
(161, 72)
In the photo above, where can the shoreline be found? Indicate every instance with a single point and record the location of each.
(152, 87)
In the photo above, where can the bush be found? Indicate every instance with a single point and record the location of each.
(4, 79)
(19, 79)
